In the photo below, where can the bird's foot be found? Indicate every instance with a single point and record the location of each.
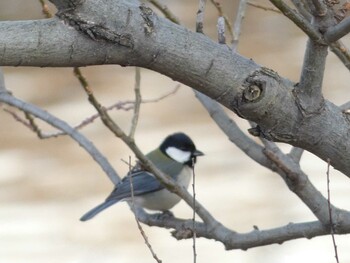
(165, 215)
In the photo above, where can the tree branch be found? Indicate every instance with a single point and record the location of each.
(309, 89)
(234, 81)
(237, 25)
(299, 20)
(233, 240)
(338, 31)
(63, 126)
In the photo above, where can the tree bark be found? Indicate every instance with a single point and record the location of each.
(95, 32)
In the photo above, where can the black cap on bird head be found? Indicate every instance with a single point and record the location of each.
(181, 148)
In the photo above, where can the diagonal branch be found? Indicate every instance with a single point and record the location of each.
(63, 126)
(237, 26)
(338, 31)
(299, 20)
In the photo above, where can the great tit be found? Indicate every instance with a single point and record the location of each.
(175, 157)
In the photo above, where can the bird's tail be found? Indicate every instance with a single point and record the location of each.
(97, 210)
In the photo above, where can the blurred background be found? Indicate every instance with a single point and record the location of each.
(46, 185)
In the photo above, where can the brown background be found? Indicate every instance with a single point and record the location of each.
(47, 185)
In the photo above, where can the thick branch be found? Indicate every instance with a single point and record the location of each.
(137, 36)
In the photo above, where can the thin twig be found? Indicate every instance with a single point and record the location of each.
(200, 16)
(330, 212)
(33, 125)
(194, 212)
(237, 26)
(342, 52)
(121, 105)
(263, 7)
(221, 30)
(222, 14)
(2, 82)
(33, 110)
(82, 80)
(299, 20)
(144, 236)
(303, 23)
(138, 101)
(165, 10)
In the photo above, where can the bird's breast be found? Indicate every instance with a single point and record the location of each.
(164, 200)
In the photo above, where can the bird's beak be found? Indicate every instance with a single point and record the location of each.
(197, 153)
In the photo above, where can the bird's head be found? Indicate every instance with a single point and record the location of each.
(180, 147)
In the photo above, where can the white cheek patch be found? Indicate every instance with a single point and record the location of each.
(178, 155)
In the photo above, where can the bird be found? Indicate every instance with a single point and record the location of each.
(175, 157)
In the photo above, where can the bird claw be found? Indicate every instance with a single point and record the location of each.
(165, 215)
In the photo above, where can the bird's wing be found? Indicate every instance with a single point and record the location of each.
(143, 182)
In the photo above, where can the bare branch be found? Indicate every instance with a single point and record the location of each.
(221, 30)
(303, 23)
(138, 101)
(330, 212)
(309, 89)
(338, 31)
(2, 82)
(299, 183)
(194, 211)
(143, 234)
(232, 240)
(221, 14)
(238, 23)
(342, 52)
(200, 16)
(121, 105)
(165, 10)
(263, 7)
(63, 126)
(299, 20)
(232, 131)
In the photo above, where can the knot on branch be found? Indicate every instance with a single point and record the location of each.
(148, 16)
(183, 233)
(253, 89)
(94, 30)
(252, 92)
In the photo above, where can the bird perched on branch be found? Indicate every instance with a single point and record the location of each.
(175, 157)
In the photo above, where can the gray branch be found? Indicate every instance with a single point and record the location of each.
(87, 145)
(338, 31)
(253, 92)
(233, 240)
